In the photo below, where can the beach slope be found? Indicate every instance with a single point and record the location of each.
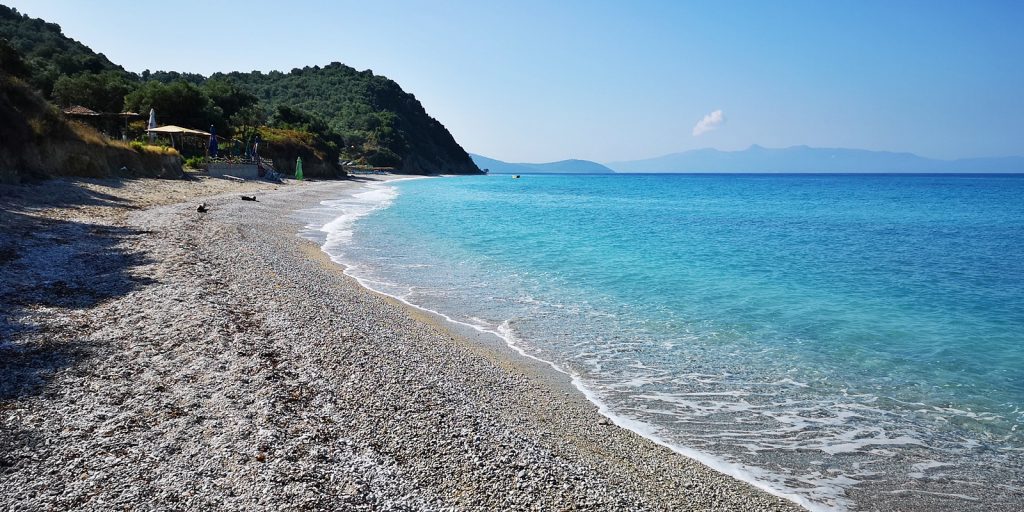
(156, 357)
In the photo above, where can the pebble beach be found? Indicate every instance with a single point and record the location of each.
(153, 357)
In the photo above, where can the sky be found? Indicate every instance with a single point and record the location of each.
(535, 81)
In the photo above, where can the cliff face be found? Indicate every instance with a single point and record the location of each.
(382, 125)
(283, 147)
(428, 161)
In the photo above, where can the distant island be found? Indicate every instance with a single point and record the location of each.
(804, 159)
(572, 166)
(759, 159)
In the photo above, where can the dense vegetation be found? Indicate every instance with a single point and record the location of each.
(328, 114)
(378, 121)
(48, 53)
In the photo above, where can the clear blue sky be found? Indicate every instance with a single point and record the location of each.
(547, 80)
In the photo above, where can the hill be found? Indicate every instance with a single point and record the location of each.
(386, 125)
(47, 52)
(571, 166)
(322, 114)
(804, 159)
(36, 141)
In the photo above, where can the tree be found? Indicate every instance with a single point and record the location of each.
(169, 77)
(247, 122)
(178, 103)
(11, 61)
(104, 92)
(228, 96)
(292, 118)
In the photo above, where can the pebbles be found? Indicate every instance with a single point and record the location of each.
(234, 367)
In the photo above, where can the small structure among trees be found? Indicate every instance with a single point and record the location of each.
(113, 124)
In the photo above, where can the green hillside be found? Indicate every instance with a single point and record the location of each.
(48, 53)
(325, 115)
(378, 120)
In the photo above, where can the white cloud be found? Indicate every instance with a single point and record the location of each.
(710, 122)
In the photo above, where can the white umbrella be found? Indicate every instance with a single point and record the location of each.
(152, 124)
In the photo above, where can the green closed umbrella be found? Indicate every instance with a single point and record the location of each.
(298, 168)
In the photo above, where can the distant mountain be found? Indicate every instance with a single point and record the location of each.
(808, 159)
(563, 166)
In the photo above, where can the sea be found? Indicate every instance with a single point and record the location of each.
(849, 342)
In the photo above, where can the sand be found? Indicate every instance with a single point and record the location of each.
(157, 358)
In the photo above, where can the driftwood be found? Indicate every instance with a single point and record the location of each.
(230, 177)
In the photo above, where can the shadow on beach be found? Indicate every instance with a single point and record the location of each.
(52, 270)
(59, 193)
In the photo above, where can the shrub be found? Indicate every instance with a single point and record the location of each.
(195, 162)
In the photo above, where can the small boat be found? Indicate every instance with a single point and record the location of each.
(516, 177)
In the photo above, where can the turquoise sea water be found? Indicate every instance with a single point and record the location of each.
(846, 341)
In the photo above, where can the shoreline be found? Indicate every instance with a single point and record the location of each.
(236, 366)
(554, 375)
(551, 373)
(561, 380)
